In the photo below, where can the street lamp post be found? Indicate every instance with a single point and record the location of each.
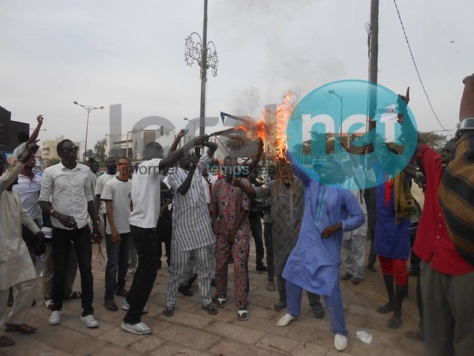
(197, 150)
(88, 108)
(199, 51)
(341, 99)
(192, 122)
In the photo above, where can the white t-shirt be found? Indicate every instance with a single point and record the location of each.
(146, 194)
(29, 190)
(104, 178)
(119, 192)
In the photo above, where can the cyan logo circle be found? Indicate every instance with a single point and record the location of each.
(331, 124)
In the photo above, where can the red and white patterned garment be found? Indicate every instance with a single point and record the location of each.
(228, 202)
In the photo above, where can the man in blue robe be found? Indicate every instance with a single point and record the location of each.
(314, 263)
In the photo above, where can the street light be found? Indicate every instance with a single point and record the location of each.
(199, 51)
(341, 99)
(88, 108)
(192, 122)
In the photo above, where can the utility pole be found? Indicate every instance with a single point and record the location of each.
(202, 112)
(373, 31)
(204, 53)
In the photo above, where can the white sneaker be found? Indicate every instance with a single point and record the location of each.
(55, 317)
(138, 329)
(126, 307)
(340, 342)
(89, 321)
(285, 320)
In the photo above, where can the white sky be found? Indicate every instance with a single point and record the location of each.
(54, 52)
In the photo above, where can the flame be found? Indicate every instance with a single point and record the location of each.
(253, 130)
(283, 114)
(256, 130)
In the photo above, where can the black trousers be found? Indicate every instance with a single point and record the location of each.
(256, 228)
(165, 232)
(147, 245)
(82, 242)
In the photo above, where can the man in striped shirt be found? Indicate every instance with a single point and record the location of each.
(192, 231)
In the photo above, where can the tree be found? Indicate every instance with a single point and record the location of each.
(100, 150)
(89, 154)
(115, 152)
(435, 140)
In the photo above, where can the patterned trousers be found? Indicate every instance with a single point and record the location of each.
(240, 253)
(205, 263)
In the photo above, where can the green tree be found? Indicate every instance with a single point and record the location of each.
(89, 154)
(100, 150)
(115, 152)
(435, 140)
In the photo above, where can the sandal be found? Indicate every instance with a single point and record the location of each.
(20, 328)
(221, 302)
(318, 311)
(243, 315)
(395, 322)
(279, 306)
(74, 295)
(168, 312)
(210, 309)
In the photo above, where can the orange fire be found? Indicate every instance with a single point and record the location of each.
(254, 130)
(283, 114)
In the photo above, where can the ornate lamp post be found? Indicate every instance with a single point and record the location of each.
(198, 50)
(88, 108)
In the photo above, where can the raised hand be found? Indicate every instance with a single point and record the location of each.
(40, 119)
(405, 98)
(182, 133)
(201, 140)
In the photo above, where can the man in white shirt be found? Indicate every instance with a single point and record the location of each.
(68, 186)
(117, 197)
(146, 185)
(16, 268)
(28, 189)
(111, 173)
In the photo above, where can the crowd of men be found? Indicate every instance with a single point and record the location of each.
(206, 222)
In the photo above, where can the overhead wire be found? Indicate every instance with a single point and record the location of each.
(416, 67)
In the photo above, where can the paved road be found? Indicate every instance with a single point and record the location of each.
(191, 331)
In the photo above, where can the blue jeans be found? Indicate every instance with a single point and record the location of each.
(117, 260)
(333, 303)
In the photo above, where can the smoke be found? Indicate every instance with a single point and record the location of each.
(288, 39)
(247, 102)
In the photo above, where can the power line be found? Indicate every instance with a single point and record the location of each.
(416, 67)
